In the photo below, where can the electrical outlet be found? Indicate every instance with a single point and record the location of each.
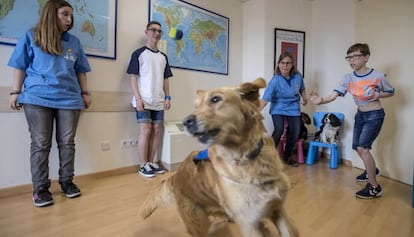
(129, 143)
(124, 144)
(134, 143)
(105, 146)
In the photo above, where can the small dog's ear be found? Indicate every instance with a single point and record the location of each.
(250, 90)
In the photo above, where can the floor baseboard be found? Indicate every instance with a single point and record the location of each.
(28, 188)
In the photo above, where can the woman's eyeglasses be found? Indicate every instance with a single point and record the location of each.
(153, 30)
(353, 57)
(285, 63)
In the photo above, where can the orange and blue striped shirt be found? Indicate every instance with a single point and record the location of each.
(364, 88)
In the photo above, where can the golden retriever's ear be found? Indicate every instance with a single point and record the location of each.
(200, 92)
(250, 90)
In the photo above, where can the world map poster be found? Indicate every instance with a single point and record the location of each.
(194, 38)
(94, 23)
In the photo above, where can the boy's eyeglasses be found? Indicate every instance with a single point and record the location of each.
(153, 30)
(353, 57)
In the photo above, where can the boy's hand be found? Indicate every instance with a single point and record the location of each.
(314, 98)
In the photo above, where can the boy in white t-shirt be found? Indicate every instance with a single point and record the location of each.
(149, 72)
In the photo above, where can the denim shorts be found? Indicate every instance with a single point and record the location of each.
(367, 127)
(150, 116)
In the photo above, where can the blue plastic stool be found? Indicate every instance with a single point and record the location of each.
(313, 153)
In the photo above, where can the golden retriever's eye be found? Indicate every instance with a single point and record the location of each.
(215, 99)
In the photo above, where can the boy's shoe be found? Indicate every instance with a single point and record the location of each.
(156, 168)
(42, 198)
(70, 189)
(364, 176)
(146, 171)
(369, 192)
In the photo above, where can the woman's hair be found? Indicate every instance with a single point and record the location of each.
(363, 48)
(293, 70)
(46, 33)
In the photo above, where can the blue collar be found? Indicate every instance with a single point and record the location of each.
(203, 155)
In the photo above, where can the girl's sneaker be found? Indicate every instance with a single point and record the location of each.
(42, 198)
(70, 189)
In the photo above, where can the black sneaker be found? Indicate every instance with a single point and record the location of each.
(146, 171)
(290, 162)
(70, 189)
(42, 198)
(364, 176)
(369, 192)
(156, 168)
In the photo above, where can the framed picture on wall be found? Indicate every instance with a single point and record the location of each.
(292, 41)
(194, 38)
(94, 24)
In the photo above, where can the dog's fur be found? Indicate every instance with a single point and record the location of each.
(329, 130)
(242, 179)
(304, 120)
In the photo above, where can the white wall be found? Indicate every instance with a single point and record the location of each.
(110, 75)
(261, 17)
(331, 26)
(332, 33)
(388, 28)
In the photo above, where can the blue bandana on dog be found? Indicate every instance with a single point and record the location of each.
(202, 155)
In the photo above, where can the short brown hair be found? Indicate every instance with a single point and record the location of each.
(153, 23)
(363, 48)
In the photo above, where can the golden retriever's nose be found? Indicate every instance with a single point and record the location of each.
(190, 122)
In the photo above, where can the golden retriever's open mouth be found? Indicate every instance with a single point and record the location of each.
(195, 128)
(205, 137)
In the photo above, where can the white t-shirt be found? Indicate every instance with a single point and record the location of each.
(152, 69)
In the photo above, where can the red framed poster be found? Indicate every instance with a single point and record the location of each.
(291, 41)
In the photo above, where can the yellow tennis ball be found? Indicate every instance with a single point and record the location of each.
(173, 32)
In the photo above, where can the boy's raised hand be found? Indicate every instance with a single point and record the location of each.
(314, 98)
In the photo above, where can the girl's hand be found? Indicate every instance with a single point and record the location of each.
(13, 102)
(87, 100)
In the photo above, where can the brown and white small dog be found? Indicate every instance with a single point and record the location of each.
(329, 131)
(238, 179)
(304, 120)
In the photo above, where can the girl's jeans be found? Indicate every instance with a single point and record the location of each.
(40, 121)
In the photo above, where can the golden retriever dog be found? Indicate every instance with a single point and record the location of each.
(238, 179)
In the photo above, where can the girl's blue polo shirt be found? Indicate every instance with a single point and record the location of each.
(284, 94)
(51, 81)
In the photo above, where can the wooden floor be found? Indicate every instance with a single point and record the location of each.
(322, 203)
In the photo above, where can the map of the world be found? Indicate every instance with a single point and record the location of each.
(94, 22)
(194, 38)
